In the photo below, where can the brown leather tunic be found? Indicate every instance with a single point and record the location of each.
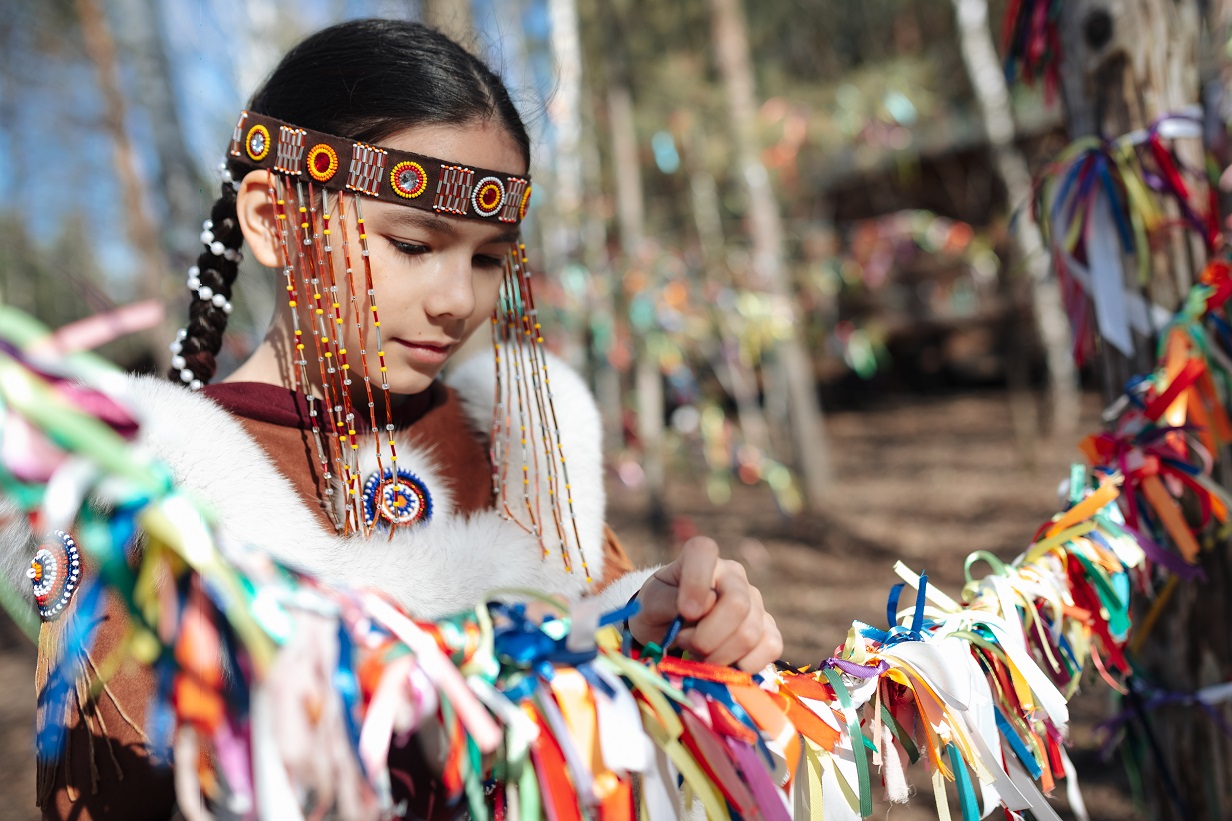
(105, 770)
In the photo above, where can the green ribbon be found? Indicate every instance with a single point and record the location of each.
(853, 727)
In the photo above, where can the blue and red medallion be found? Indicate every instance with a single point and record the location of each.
(55, 572)
(403, 500)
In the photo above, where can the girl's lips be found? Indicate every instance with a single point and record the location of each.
(426, 353)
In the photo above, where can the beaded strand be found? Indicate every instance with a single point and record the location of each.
(300, 357)
(522, 378)
(380, 346)
(363, 350)
(337, 368)
(322, 343)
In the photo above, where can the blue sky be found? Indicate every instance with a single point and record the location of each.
(50, 107)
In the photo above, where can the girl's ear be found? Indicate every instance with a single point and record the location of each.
(258, 218)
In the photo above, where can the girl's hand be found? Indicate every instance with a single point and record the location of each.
(725, 620)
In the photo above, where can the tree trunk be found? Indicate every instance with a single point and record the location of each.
(988, 81)
(1124, 64)
(182, 188)
(631, 220)
(562, 220)
(605, 287)
(451, 17)
(725, 358)
(142, 231)
(766, 229)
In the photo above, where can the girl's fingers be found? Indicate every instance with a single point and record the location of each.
(740, 642)
(698, 562)
(658, 602)
(767, 650)
(736, 600)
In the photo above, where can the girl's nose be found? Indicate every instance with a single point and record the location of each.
(451, 292)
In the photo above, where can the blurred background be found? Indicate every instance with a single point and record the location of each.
(778, 239)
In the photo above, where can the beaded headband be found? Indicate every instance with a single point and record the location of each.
(385, 174)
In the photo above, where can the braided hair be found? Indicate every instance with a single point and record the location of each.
(194, 351)
(363, 80)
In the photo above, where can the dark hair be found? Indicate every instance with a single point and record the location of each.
(363, 80)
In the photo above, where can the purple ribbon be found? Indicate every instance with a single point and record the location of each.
(1159, 699)
(857, 670)
(1161, 555)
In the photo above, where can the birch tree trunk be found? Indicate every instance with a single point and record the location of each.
(725, 358)
(181, 187)
(452, 17)
(1124, 64)
(631, 220)
(141, 227)
(988, 81)
(765, 223)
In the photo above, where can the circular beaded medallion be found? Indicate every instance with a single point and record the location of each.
(258, 142)
(408, 179)
(488, 195)
(401, 500)
(55, 572)
(322, 162)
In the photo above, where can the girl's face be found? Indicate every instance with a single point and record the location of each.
(435, 277)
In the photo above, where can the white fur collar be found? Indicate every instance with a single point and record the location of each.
(440, 567)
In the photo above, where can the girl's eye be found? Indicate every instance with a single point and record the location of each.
(411, 249)
(488, 262)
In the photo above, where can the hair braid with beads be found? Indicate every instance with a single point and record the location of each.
(197, 344)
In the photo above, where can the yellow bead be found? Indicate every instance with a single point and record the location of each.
(293, 303)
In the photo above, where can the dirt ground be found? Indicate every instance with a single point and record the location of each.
(925, 480)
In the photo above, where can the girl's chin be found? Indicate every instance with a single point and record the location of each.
(410, 381)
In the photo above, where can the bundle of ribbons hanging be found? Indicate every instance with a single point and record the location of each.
(1031, 42)
(559, 716)
(1103, 202)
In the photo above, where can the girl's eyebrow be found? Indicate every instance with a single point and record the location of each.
(420, 219)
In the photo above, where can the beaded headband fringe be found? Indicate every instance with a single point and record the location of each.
(327, 293)
(385, 174)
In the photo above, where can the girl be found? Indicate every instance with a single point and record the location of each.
(382, 172)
